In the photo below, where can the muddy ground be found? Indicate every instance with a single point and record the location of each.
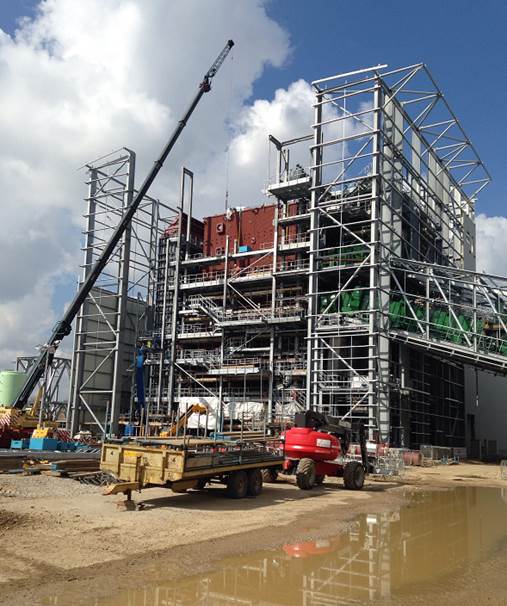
(60, 539)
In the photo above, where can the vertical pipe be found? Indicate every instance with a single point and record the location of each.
(163, 330)
(176, 292)
(123, 288)
(279, 167)
(273, 311)
(77, 370)
(189, 212)
(374, 390)
(474, 316)
(219, 418)
(312, 345)
(428, 315)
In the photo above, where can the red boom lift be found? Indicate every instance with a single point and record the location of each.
(317, 446)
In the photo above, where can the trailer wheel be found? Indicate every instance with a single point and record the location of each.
(353, 476)
(237, 485)
(269, 475)
(254, 487)
(305, 474)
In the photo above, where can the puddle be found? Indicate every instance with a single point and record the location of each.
(383, 556)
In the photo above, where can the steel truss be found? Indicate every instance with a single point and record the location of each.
(118, 307)
(460, 313)
(394, 176)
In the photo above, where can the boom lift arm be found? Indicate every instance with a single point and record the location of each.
(63, 327)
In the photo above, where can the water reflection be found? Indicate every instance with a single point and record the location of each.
(383, 555)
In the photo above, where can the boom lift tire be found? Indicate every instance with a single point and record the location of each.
(237, 485)
(305, 474)
(353, 475)
(254, 487)
(269, 475)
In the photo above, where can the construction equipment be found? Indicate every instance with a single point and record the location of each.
(182, 420)
(63, 327)
(185, 463)
(318, 446)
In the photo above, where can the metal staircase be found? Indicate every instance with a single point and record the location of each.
(208, 307)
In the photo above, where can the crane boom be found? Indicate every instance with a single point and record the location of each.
(64, 326)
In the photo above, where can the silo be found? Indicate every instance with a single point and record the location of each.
(11, 382)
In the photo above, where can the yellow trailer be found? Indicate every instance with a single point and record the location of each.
(184, 463)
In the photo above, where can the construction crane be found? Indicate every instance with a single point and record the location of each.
(64, 326)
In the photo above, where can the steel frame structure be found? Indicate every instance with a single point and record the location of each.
(474, 304)
(364, 302)
(119, 306)
(394, 176)
(221, 330)
(382, 216)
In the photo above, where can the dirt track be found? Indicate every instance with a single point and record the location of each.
(58, 535)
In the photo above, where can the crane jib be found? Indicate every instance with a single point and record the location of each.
(63, 327)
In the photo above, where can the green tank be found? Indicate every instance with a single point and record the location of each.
(11, 383)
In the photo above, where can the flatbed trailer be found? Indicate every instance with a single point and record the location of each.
(185, 463)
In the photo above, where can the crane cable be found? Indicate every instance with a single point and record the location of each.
(228, 149)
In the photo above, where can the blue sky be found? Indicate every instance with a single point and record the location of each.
(463, 42)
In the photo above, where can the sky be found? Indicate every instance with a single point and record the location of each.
(79, 79)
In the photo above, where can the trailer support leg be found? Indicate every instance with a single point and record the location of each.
(128, 504)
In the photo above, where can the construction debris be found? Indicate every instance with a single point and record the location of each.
(51, 463)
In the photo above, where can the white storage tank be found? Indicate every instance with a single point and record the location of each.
(11, 383)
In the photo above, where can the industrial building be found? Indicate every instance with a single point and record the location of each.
(352, 290)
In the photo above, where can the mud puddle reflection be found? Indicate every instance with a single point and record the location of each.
(383, 556)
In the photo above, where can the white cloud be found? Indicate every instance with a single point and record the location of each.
(491, 235)
(84, 78)
(252, 160)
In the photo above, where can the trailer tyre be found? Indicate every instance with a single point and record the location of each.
(305, 474)
(237, 485)
(353, 476)
(269, 475)
(254, 487)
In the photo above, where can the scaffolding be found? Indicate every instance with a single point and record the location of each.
(230, 320)
(394, 178)
(118, 308)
